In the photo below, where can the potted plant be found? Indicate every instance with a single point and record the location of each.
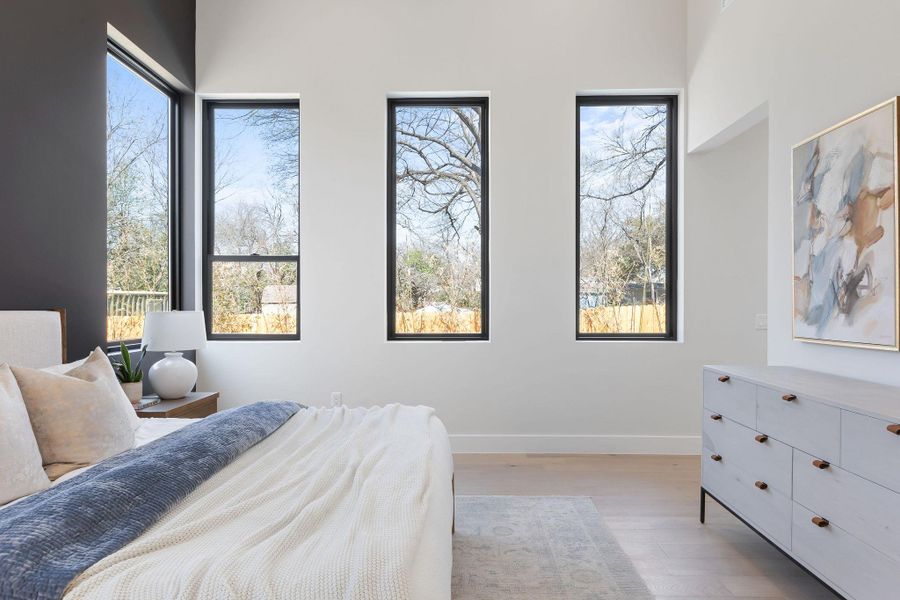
(130, 377)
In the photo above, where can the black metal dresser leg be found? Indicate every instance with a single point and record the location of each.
(702, 505)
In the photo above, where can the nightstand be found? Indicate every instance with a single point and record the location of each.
(193, 406)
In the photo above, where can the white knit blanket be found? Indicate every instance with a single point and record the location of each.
(332, 505)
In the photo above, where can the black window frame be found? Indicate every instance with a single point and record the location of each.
(671, 102)
(481, 102)
(210, 257)
(175, 176)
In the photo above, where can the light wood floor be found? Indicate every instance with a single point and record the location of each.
(651, 503)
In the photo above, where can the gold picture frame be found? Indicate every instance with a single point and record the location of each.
(845, 248)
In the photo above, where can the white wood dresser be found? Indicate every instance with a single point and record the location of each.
(812, 462)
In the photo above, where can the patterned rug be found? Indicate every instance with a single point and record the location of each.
(538, 548)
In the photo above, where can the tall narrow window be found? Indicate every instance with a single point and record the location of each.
(626, 205)
(141, 195)
(252, 184)
(438, 219)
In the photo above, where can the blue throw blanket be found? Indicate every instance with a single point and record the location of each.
(50, 538)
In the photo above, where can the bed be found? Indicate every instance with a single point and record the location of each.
(331, 503)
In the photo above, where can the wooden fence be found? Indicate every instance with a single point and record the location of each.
(630, 318)
(125, 312)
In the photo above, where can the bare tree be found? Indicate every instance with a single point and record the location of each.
(623, 237)
(265, 222)
(439, 216)
(137, 192)
(262, 225)
(439, 168)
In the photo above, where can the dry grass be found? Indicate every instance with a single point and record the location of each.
(125, 328)
(648, 318)
(413, 322)
(283, 324)
(636, 318)
(132, 328)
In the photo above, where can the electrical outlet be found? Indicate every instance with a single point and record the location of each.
(762, 322)
(337, 399)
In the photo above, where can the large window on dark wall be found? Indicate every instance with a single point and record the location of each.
(626, 255)
(252, 233)
(142, 178)
(437, 219)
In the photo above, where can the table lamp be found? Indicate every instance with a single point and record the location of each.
(173, 332)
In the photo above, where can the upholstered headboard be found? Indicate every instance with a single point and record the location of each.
(33, 338)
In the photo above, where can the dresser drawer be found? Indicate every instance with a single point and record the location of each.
(768, 510)
(864, 509)
(731, 397)
(800, 422)
(855, 568)
(870, 450)
(759, 456)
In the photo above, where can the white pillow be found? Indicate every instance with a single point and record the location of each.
(79, 417)
(20, 459)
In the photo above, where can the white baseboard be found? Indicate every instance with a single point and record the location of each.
(465, 443)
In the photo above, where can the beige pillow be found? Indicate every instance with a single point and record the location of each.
(79, 417)
(20, 459)
(66, 367)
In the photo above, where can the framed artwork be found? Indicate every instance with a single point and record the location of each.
(844, 183)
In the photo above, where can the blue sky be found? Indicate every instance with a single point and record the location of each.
(244, 163)
(146, 99)
(140, 111)
(598, 122)
(246, 156)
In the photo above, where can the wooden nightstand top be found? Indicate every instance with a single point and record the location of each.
(193, 406)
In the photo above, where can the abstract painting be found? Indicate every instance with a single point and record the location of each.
(845, 232)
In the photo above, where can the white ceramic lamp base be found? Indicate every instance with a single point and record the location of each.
(173, 377)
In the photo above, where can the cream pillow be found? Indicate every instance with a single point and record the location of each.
(66, 367)
(79, 417)
(20, 459)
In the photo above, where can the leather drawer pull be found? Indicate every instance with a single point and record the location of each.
(761, 485)
(724, 378)
(716, 457)
(762, 439)
(820, 522)
(895, 429)
(821, 464)
(789, 397)
(715, 417)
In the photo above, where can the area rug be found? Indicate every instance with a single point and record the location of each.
(538, 548)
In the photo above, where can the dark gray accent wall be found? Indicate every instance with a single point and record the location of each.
(52, 147)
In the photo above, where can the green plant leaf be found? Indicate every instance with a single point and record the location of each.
(126, 356)
(137, 367)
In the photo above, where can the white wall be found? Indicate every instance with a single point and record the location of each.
(532, 387)
(813, 63)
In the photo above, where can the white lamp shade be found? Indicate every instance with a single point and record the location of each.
(174, 331)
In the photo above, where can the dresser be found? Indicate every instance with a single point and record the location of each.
(812, 463)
